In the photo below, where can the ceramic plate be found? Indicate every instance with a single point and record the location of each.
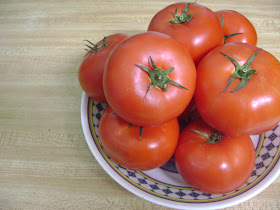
(164, 186)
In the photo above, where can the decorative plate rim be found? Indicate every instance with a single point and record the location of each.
(246, 195)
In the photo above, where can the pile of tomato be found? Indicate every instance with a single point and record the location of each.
(195, 68)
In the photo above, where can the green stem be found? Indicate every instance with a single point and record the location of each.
(141, 130)
(214, 138)
(183, 18)
(244, 73)
(230, 35)
(93, 47)
(159, 78)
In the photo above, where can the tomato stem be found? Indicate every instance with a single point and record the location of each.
(242, 72)
(230, 35)
(183, 18)
(94, 48)
(159, 78)
(141, 130)
(214, 138)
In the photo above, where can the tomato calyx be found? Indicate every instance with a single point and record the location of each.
(183, 18)
(94, 48)
(242, 72)
(159, 78)
(141, 130)
(214, 138)
(230, 35)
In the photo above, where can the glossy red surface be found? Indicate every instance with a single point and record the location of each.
(126, 85)
(92, 67)
(251, 110)
(214, 168)
(234, 22)
(202, 34)
(122, 142)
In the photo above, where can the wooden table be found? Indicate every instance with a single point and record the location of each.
(45, 162)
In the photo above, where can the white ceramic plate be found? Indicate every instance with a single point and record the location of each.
(164, 185)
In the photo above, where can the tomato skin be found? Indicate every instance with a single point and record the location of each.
(251, 110)
(126, 85)
(214, 168)
(235, 22)
(203, 34)
(268, 128)
(121, 142)
(92, 67)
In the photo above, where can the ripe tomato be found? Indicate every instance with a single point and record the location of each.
(234, 22)
(220, 98)
(146, 77)
(193, 25)
(122, 142)
(219, 166)
(92, 66)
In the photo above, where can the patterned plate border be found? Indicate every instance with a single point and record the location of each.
(88, 104)
(258, 149)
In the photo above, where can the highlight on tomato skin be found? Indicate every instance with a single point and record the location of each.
(153, 83)
(134, 149)
(91, 69)
(195, 26)
(236, 27)
(241, 97)
(221, 165)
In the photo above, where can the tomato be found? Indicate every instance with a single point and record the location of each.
(195, 26)
(123, 144)
(242, 100)
(220, 166)
(149, 79)
(234, 22)
(92, 66)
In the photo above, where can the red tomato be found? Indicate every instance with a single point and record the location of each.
(146, 77)
(92, 66)
(198, 29)
(249, 110)
(122, 142)
(220, 166)
(234, 22)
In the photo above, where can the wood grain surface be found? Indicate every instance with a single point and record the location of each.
(45, 162)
